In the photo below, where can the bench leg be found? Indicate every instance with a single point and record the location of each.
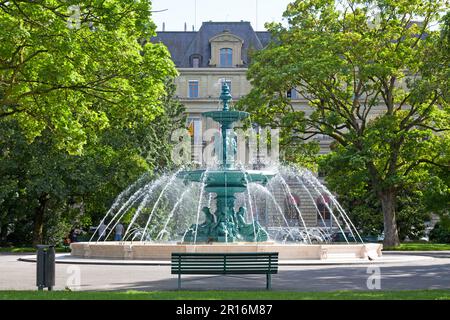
(179, 281)
(268, 281)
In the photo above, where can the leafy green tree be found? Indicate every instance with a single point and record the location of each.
(86, 106)
(374, 81)
(366, 213)
(64, 63)
(55, 190)
(438, 191)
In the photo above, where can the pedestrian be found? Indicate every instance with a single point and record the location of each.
(101, 231)
(73, 235)
(118, 232)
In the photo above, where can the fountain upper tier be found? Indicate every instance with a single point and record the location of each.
(227, 181)
(226, 117)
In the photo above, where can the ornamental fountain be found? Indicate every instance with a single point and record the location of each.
(226, 224)
(214, 209)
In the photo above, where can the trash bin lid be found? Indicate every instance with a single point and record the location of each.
(45, 246)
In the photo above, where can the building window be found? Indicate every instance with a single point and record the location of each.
(292, 94)
(226, 57)
(194, 125)
(193, 88)
(196, 62)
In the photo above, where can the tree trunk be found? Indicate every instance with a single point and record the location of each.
(39, 220)
(388, 203)
(3, 232)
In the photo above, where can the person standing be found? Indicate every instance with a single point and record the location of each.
(101, 231)
(118, 232)
(73, 235)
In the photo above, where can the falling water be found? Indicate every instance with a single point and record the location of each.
(175, 207)
(172, 179)
(250, 203)
(288, 189)
(203, 180)
(148, 193)
(279, 210)
(141, 192)
(173, 203)
(329, 209)
(338, 206)
(123, 210)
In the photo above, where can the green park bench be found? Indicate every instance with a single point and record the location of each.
(225, 264)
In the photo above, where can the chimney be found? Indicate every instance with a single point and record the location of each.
(185, 27)
(164, 26)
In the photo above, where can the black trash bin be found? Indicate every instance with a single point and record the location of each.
(45, 267)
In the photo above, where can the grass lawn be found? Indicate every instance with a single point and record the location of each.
(227, 295)
(420, 247)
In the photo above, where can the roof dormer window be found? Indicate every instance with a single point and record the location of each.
(195, 60)
(226, 58)
(226, 50)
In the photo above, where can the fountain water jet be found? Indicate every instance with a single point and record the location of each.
(174, 202)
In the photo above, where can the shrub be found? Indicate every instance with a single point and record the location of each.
(440, 233)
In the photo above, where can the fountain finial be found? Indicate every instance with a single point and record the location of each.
(225, 96)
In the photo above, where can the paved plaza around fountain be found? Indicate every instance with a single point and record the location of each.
(428, 270)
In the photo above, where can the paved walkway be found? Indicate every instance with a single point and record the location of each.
(431, 273)
(66, 258)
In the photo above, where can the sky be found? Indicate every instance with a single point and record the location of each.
(180, 12)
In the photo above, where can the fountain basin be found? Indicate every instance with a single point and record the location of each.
(163, 251)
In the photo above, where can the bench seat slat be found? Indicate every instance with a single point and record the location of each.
(221, 272)
(221, 256)
(227, 267)
(228, 261)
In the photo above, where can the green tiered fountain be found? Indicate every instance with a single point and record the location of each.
(226, 224)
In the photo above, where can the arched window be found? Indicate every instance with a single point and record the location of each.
(226, 57)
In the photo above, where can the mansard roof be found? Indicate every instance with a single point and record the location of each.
(183, 45)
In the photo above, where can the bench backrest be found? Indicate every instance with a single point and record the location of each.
(225, 263)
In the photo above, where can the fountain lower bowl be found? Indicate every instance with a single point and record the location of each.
(163, 251)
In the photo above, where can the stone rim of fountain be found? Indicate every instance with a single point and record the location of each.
(290, 251)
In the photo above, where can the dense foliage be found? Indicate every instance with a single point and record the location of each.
(374, 77)
(85, 108)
